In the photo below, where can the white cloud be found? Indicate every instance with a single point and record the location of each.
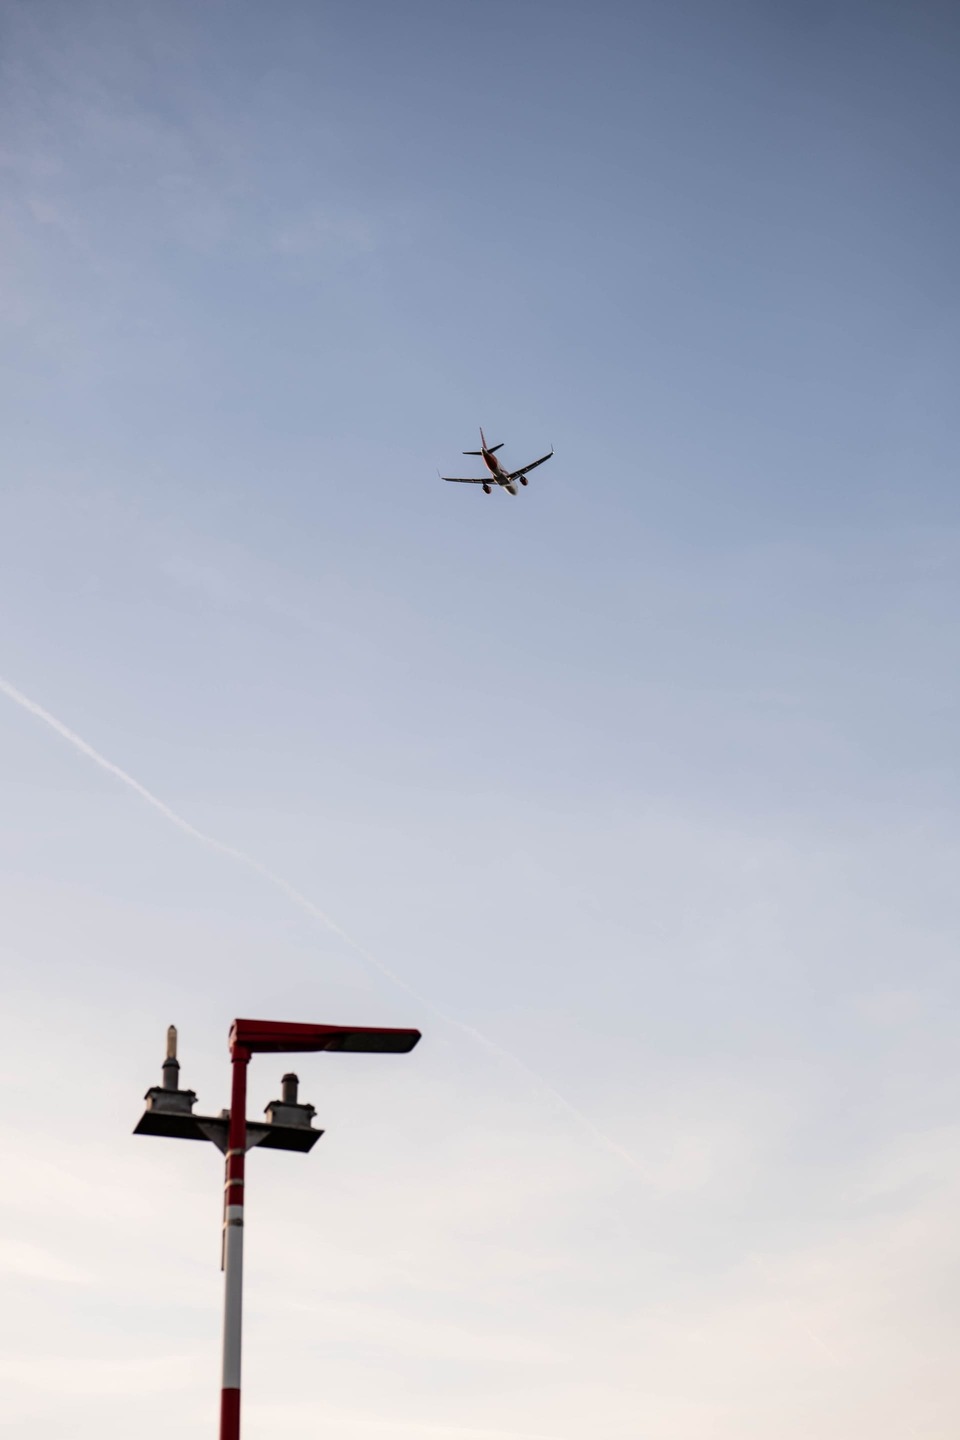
(63, 1373)
(32, 1262)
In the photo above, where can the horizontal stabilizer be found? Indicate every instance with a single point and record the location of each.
(490, 450)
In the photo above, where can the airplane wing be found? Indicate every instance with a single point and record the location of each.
(462, 480)
(516, 474)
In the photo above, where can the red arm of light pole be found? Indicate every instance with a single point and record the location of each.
(280, 1037)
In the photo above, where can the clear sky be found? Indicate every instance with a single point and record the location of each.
(642, 786)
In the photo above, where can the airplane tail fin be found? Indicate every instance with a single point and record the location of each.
(489, 448)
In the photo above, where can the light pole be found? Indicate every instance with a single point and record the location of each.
(288, 1127)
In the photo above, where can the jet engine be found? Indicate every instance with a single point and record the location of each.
(523, 480)
(486, 488)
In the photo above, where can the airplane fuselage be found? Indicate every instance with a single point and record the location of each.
(497, 472)
(495, 468)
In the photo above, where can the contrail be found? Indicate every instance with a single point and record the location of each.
(305, 903)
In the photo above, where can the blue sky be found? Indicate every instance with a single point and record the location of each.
(646, 778)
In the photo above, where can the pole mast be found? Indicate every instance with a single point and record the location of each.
(289, 1126)
(233, 1246)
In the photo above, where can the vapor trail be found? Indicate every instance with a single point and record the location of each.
(306, 904)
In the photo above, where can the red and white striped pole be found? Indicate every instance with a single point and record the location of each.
(233, 1247)
(289, 1127)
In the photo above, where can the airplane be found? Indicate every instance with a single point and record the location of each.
(507, 479)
